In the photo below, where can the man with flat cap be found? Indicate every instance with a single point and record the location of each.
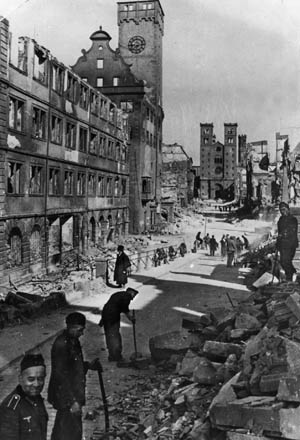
(111, 315)
(66, 390)
(23, 415)
(287, 240)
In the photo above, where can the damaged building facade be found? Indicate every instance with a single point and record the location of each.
(64, 161)
(177, 183)
(131, 76)
(218, 162)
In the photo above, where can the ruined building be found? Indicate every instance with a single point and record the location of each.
(218, 162)
(131, 76)
(64, 161)
(177, 183)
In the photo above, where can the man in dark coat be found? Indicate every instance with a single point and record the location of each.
(121, 267)
(66, 390)
(213, 245)
(231, 250)
(287, 241)
(23, 415)
(111, 315)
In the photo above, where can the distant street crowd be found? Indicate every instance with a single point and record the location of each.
(230, 246)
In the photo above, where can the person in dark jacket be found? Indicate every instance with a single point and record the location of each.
(287, 240)
(213, 245)
(231, 250)
(111, 315)
(121, 267)
(66, 390)
(23, 415)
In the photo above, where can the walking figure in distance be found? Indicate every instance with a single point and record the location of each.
(121, 267)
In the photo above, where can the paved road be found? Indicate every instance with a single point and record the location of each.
(195, 282)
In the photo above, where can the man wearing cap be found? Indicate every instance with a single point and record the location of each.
(111, 315)
(287, 240)
(23, 415)
(66, 390)
(121, 267)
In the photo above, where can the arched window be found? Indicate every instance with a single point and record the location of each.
(14, 248)
(35, 244)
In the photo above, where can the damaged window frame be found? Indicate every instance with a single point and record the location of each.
(109, 187)
(127, 106)
(68, 183)
(81, 183)
(83, 96)
(102, 145)
(56, 129)
(123, 187)
(36, 183)
(71, 89)
(16, 114)
(58, 77)
(91, 184)
(54, 181)
(70, 135)
(14, 178)
(94, 102)
(83, 139)
(101, 185)
(93, 144)
(40, 59)
(39, 123)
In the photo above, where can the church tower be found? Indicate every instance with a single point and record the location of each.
(141, 27)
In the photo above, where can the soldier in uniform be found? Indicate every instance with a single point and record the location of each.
(287, 241)
(23, 415)
(66, 390)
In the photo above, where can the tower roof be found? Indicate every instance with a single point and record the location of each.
(100, 35)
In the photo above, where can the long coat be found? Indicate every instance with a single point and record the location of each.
(22, 417)
(68, 369)
(121, 267)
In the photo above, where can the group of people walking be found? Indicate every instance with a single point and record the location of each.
(230, 246)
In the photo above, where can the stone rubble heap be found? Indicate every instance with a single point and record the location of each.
(235, 375)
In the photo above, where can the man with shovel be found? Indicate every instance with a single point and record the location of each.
(111, 315)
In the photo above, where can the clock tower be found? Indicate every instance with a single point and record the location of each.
(141, 27)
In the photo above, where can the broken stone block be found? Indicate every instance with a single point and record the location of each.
(289, 389)
(239, 334)
(293, 303)
(219, 351)
(226, 393)
(246, 321)
(162, 347)
(205, 372)
(189, 363)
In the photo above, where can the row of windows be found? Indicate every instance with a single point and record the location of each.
(65, 132)
(67, 182)
(144, 7)
(64, 82)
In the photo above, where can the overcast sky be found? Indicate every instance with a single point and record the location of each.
(224, 60)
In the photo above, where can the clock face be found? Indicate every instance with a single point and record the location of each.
(136, 44)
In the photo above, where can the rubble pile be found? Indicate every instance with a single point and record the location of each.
(264, 399)
(235, 375)
(19, 306)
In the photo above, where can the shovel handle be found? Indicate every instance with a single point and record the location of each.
(134, 333)
(105, 406)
